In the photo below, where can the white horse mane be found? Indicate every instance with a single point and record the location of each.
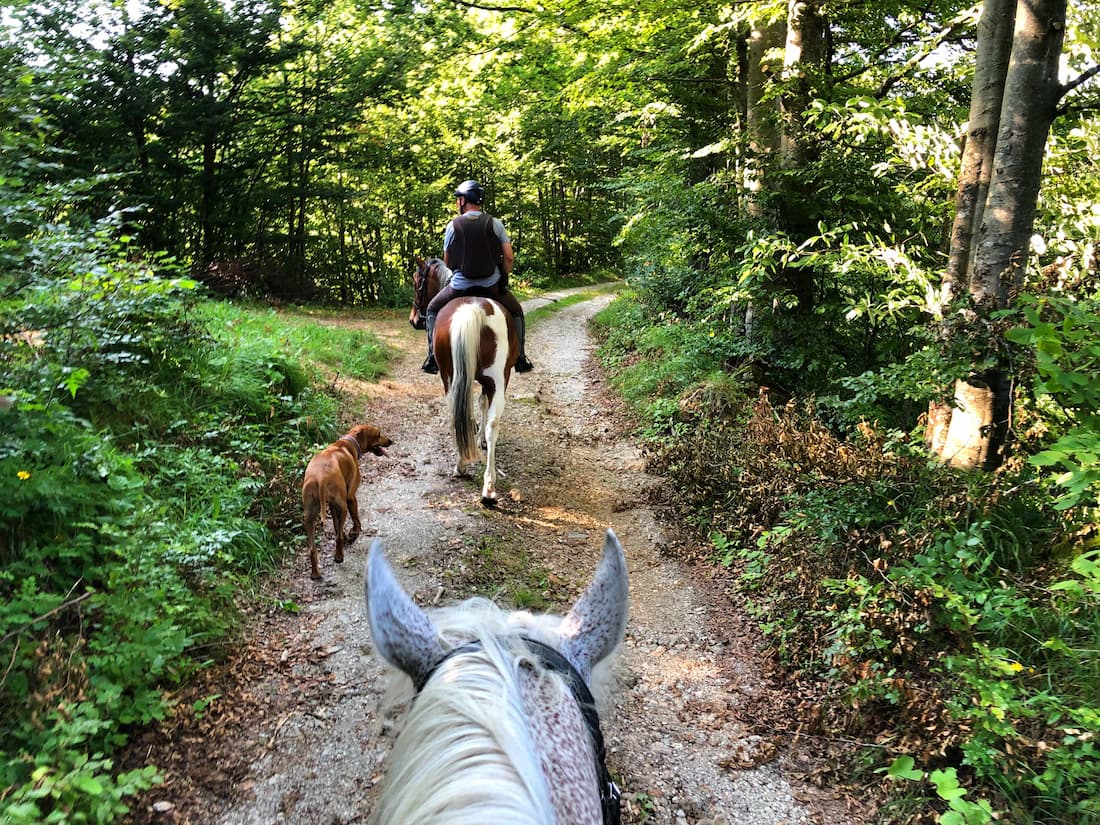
(465, 753)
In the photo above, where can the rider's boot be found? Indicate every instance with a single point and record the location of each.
(522, 363)
(429, 365)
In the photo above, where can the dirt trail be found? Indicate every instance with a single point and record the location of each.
(294, 736)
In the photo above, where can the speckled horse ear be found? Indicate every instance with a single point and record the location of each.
(403, 633)
(597, 622)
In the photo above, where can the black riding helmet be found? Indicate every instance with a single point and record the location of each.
(470, 190)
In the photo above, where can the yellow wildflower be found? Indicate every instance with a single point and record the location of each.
(23, 475)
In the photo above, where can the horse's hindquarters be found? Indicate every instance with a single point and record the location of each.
(473, 346)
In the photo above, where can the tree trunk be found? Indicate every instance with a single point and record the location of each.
(990, 69)
(1031, 97)
(803, 60)
(987, 94)
(975, 435)
(761, 116)
(804, 64)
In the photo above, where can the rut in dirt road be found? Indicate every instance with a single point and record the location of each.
(674, 725)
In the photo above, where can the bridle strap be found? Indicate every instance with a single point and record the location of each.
(553, 660)
(422, 287)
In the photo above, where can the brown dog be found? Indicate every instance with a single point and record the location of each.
(332, 479)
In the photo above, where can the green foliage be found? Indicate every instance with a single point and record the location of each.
(953, 615)
(961, 811)
(309, 336)
(147, 467)
(665, 360)
(1064, 334)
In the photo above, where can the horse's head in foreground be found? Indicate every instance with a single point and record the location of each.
(502, 727)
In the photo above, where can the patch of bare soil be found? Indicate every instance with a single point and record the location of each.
(293, 735)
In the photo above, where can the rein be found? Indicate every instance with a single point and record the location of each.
(555, 662)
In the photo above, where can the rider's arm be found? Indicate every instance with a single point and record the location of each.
(448, 234)
(509, 259)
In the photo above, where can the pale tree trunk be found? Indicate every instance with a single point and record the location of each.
(990, 70)
(803, 68)
(764, 60)
(761, 116)
(978, 425)
(804, 58)
(987, 93)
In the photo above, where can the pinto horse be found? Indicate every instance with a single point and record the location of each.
(501, 726)
(475, 344)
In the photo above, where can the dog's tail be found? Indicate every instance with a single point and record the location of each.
(466, 326)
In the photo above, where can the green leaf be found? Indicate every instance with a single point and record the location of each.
(1047, 458)
(89, 785)
(75, 380)
(903, 768)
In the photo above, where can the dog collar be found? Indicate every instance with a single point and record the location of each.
(358, 449)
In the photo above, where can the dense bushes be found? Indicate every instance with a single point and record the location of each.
(946, 618)
(150, 446)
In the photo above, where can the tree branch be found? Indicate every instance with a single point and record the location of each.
(46, 615)
(1080, 80)
(472, 5)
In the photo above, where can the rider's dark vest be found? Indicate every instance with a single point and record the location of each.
(475, 250)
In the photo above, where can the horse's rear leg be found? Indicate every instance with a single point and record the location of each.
(491, 428)
(468, 456)
(483, 403)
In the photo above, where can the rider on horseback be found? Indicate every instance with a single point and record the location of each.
(477, 248)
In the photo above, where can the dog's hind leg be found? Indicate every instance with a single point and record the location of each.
(311, 542)
(311, 511)
(338, 511)
(356, 525)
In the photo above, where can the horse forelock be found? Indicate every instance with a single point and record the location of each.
(493, 736)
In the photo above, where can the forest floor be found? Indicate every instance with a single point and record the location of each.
(292, 733)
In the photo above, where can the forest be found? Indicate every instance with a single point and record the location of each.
(860, 324)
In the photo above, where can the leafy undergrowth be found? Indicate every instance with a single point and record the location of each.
(948, 622)
(152, 445)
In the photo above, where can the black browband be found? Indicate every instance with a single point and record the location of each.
(552, 660)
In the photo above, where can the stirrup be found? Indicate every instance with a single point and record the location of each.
(523, 364)
(429, 366)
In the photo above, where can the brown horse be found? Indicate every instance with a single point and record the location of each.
(475, 343)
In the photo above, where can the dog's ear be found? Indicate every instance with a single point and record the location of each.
(403, 633)
(370, 438)
(597, 622)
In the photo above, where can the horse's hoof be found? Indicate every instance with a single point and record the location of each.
(315, 576)
(488, 502)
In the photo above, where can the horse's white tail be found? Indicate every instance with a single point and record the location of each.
(466, 326)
